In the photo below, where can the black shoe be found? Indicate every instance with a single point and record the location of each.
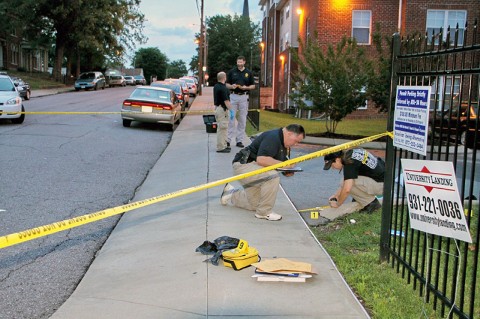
(370, 208)
(228, 148)
(240, 144)
(225, 150)
(228, 144)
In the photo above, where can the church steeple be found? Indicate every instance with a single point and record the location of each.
(245, 9)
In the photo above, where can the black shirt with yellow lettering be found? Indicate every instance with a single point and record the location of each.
(235, 76)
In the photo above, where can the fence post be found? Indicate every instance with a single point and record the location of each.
(389, 157)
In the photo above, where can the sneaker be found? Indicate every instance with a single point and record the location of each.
(227, 194)
(225, 150)
(240, 144)
(271, 216)
(370, 208)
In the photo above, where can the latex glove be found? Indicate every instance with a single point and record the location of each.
(232, 114)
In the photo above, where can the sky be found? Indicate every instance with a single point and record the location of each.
(171, 25)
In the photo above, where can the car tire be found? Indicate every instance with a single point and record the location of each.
(126, 123)
(95, 87)
(77, 89)
(103, 86)
(27, 96)
(20, 119)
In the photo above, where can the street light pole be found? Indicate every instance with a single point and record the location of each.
(201, 50)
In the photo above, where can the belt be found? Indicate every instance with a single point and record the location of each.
(243, 93)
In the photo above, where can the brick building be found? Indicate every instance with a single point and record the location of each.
(16, 53)
(286, 20)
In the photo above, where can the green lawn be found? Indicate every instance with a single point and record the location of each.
(364, 127)
(36, 80)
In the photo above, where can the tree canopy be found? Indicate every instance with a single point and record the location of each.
(229, 37)
(101, 29)
(334, 79)
(153, 61)
(176, 69)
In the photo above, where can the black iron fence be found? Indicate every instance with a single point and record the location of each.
(443, 270)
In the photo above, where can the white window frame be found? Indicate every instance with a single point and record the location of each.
(361, 23)
(437, 19)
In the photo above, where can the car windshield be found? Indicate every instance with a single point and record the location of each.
(6, 85)
(151, 94)
(138, 77)
(174, 87)
(84, 76)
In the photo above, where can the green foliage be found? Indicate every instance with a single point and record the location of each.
(379, 81)
(93, 30)
(153, 61)
(334, 80)
(228, 38)
(176, 69)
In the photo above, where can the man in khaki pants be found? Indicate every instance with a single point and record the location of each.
(363, 176)
(221, 99)
(259, 191)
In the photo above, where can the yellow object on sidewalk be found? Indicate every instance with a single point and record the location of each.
(240, 257)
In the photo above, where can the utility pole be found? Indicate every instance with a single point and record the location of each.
(201, 50)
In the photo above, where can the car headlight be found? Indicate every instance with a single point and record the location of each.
(15, 100)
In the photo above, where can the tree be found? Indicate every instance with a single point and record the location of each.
(153, 62)
(176, 69)
(379, 82)
(229, 37)
(102, 28)
(334, 80)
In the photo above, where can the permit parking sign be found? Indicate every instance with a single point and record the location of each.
(434, 204)
(411, 118)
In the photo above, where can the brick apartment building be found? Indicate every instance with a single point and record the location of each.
(286, 20)
(16, 53)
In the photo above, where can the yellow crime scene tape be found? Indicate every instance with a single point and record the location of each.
(41, 231)
(104, 113)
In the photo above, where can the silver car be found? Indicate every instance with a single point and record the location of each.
(152, 105)
(10, 101)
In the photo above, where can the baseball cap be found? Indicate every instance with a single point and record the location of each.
(330, 158)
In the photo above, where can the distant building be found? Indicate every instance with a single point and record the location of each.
(16, 53)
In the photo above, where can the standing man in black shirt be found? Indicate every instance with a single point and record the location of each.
(259, 191)
(221, 99)
(240, 81)
(363, 176)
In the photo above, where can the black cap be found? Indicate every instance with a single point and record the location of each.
(330, 158)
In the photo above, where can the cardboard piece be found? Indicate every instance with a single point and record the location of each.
(285, 265)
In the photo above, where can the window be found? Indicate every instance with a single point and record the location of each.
(437, 19)
(287, 12)
(307, 30)
(281, 44)
(287, 42)
(443, 93)
(361, 23)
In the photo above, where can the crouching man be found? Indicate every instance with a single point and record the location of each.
(363, 176)
(259, 191)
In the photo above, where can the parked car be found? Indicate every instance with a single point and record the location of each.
(192, 85)
(183, 84)
(10, 101)
(140, 79)
(129, 80)
(90, 80)
(183, 98)
(116, 80)
(23, 87)
(153, 105)
(458, 123)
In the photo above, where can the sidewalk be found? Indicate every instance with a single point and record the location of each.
(148, 267)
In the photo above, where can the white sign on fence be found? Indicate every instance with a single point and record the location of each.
(410, 129)
(434, 203)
